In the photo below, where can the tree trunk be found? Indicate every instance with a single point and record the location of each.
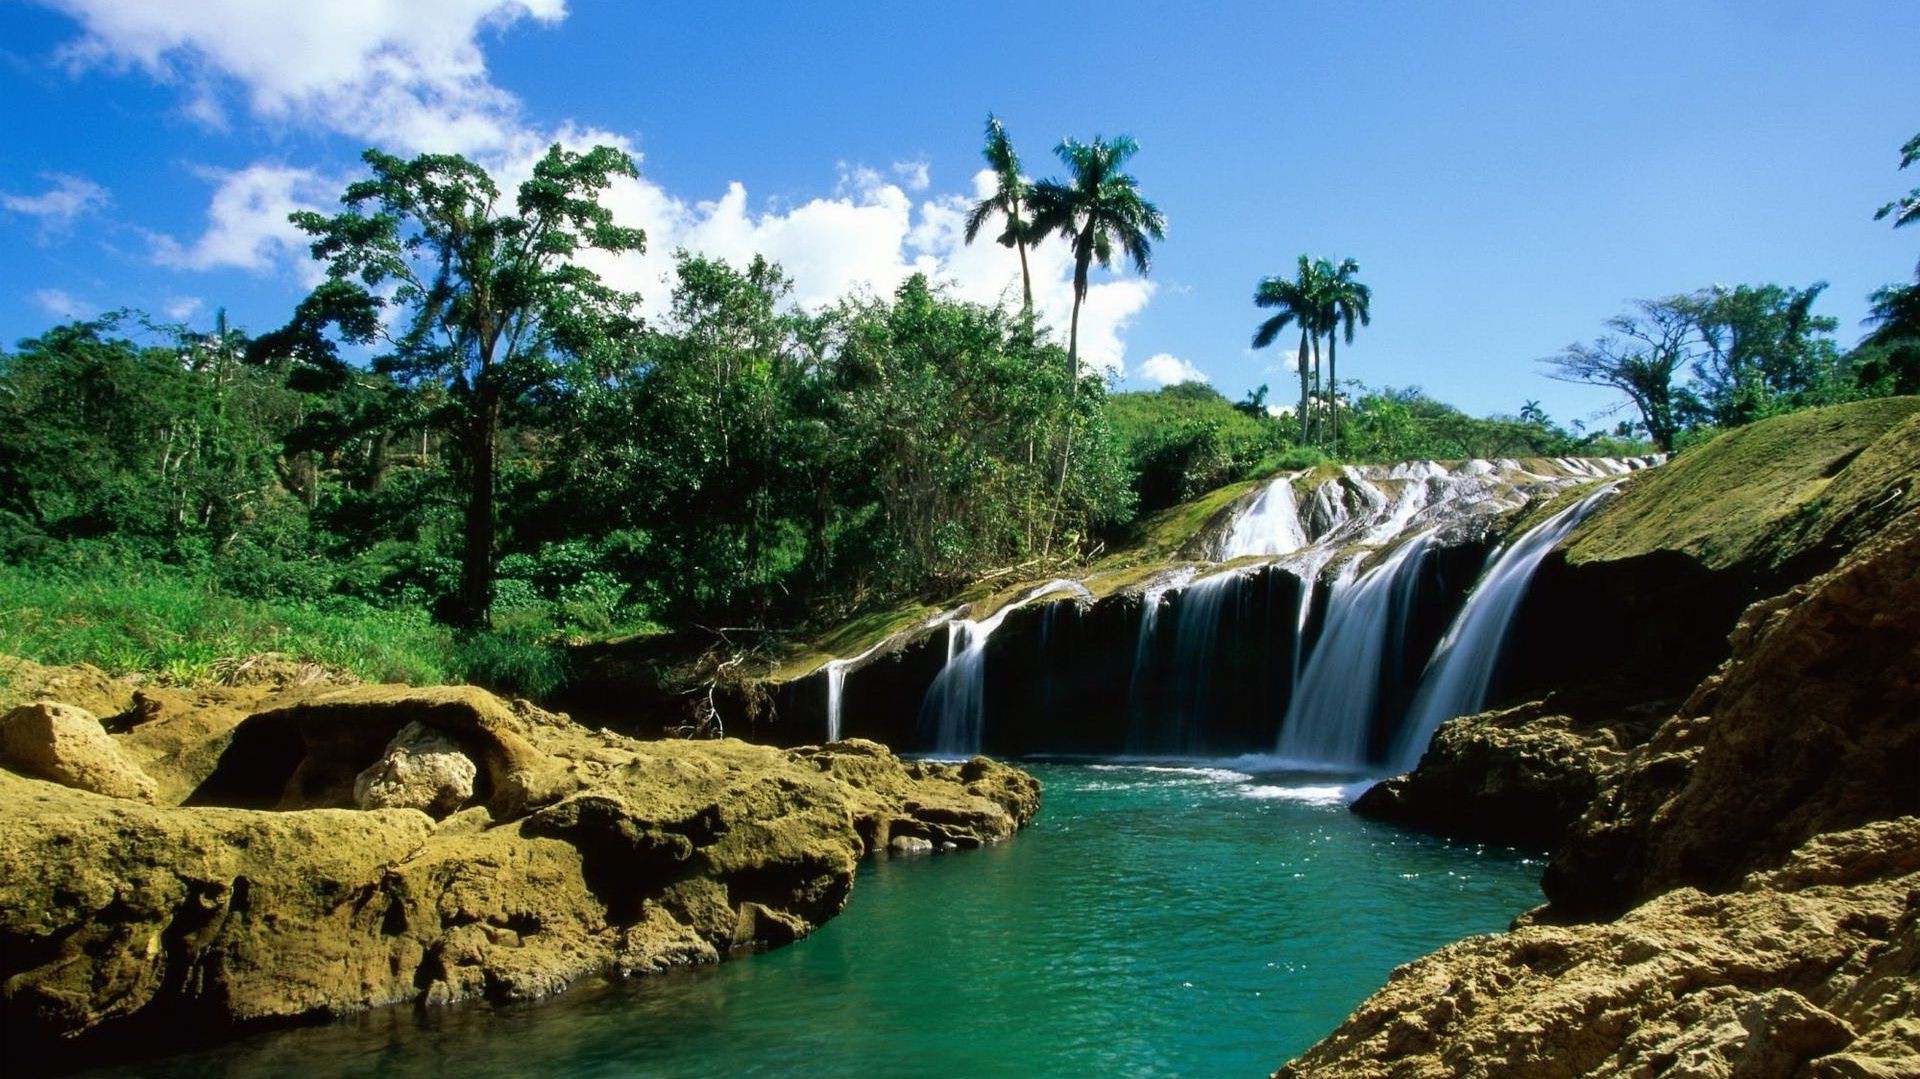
(476, 569)
(1333, 392)
(1026, 280)
(1306, 394)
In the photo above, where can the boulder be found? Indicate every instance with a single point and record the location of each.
(421, 769)
(1519, 776)
(68, 745)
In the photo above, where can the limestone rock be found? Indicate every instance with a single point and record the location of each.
(1521, 776)
(1810, 970)
(268, 897)
(1810, 727)
(69, 746)
(422, 769)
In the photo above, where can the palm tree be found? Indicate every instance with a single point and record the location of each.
(1098, 208)
(1009, 200)
(1343, 301)
(1299, 303)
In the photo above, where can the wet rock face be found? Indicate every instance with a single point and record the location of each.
(577, 852)
(68, 745)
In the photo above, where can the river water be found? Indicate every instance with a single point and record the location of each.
(1154, 921)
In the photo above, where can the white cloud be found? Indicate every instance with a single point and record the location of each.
(411, 75)
(247, 226)
(58, 302)
(69, 198)
(406, 73)
(913, 174)
(1165, 369)
(181, 308)
(871, 235)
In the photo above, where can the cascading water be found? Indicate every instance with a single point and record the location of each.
(1329, 719)
(955, 704)
(1139, 719)
(1301, 645)
(1456, 678)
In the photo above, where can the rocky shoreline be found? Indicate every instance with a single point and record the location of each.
(214, 859)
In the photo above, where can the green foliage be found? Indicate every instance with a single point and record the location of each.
(494, 310)
(1181, 441)
(1397, 425)
(129, 616)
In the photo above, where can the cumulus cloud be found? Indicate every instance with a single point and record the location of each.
(1166, 369)
(247, 226)
(870, 236)
(181, 308)
(405, 73)
(70, 198)
(411, 75)
(915, 175)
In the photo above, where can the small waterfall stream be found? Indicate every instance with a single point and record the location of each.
(955, 704)
(1328, 721)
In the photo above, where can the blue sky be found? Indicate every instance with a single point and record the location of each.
(1507, 175)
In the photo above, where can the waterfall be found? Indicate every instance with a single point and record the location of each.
(1330, 715)
(1196, 633)
(1456, 678)
(837, 685)
(1139, 681)
(1270, 526)
(955, 704)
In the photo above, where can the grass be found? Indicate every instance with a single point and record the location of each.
(1739, 498)
(164, 623)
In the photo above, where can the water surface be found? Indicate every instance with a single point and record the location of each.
(1155, 921)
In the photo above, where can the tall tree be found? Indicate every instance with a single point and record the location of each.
(1638, 358)
(1344, 301)
(1097, 209)
(1009, 200)
(482, 302)
(1761, 349)
(1299, 303)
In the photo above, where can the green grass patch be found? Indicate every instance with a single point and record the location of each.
(160, 621)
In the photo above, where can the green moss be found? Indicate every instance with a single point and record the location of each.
(1757, 496)
(849, 639)
(1166, 532)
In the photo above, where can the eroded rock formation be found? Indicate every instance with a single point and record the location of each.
(265, 895)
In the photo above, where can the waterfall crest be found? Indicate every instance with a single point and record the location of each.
(1361, 609)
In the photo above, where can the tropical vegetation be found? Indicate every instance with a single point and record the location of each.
(463, 448)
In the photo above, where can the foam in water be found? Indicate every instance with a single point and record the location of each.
(1455, 681)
